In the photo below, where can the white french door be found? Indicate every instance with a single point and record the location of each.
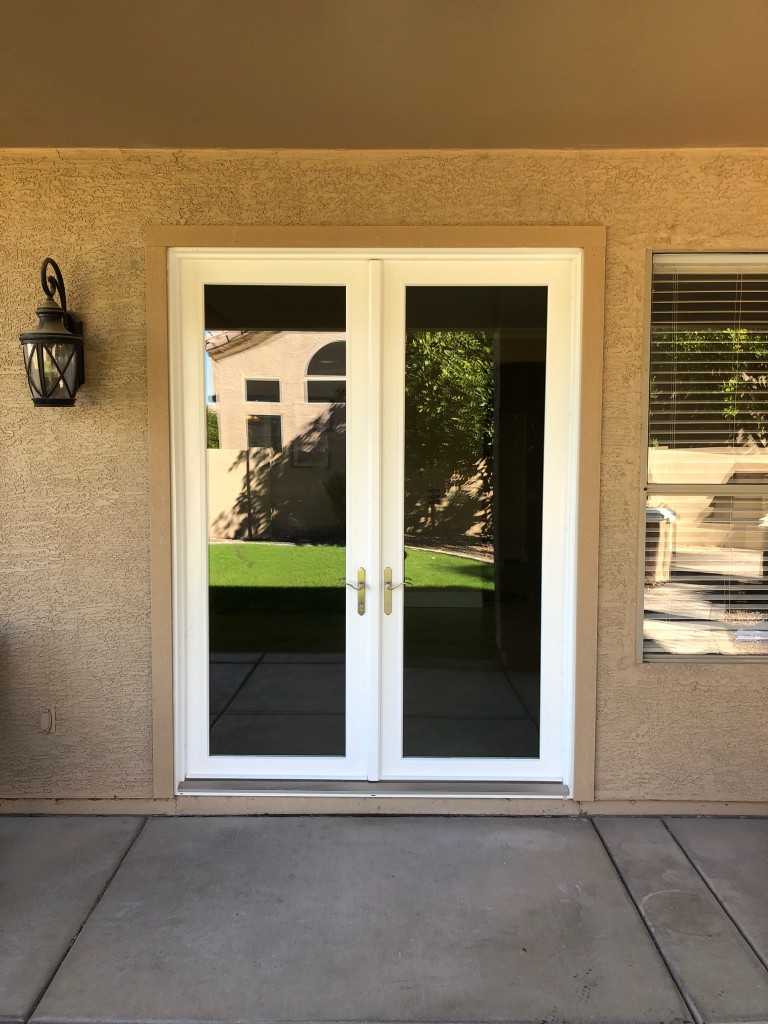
(374, 480)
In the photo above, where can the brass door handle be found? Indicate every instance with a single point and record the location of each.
(360, 588)
(389, 587)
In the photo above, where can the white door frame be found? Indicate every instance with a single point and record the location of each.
(190, 273)
(188, 270)
(559, 504)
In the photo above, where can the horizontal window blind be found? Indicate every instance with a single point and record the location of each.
(706, 548)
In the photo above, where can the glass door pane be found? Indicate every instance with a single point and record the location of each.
(474, 385)
(275, 381)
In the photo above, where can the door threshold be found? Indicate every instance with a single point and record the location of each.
(421, 788)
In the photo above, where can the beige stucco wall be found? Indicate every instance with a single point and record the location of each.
(74, 498)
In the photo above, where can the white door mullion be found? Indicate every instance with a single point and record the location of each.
(392, 526)
(372, 681)
(360, 630)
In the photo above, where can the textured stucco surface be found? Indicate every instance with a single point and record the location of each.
(74, 501)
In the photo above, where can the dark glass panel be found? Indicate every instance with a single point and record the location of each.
(334, 391)
(330, 361)
(262, 390)
(275, 307)
(474, 448)
(265, 432)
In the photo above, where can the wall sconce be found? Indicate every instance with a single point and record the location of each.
(53, 352)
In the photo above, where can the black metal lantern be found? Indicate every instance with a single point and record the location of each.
(53, 352)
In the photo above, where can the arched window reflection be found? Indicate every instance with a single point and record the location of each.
(326, 374)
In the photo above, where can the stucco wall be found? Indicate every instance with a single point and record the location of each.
(74, 618)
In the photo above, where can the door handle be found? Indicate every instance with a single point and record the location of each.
(360, 588)
(389, 587)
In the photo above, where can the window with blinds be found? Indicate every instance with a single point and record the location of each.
(706, 518)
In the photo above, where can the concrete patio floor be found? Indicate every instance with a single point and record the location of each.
(621, 920)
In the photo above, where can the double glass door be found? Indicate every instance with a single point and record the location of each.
(371, 494)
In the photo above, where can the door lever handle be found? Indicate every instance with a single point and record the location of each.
(389, 587)
(360, 588)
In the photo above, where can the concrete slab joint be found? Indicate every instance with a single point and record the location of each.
(350, 919)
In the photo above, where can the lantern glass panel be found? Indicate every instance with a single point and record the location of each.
(70, 373)
(50, 371)
(33, 369)
(58, 367)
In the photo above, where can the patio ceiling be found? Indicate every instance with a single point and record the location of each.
(383, 73)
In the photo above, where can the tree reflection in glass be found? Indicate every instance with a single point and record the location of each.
(474, 433)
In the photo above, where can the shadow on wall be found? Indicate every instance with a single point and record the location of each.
(296, 495)
(444, 507)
